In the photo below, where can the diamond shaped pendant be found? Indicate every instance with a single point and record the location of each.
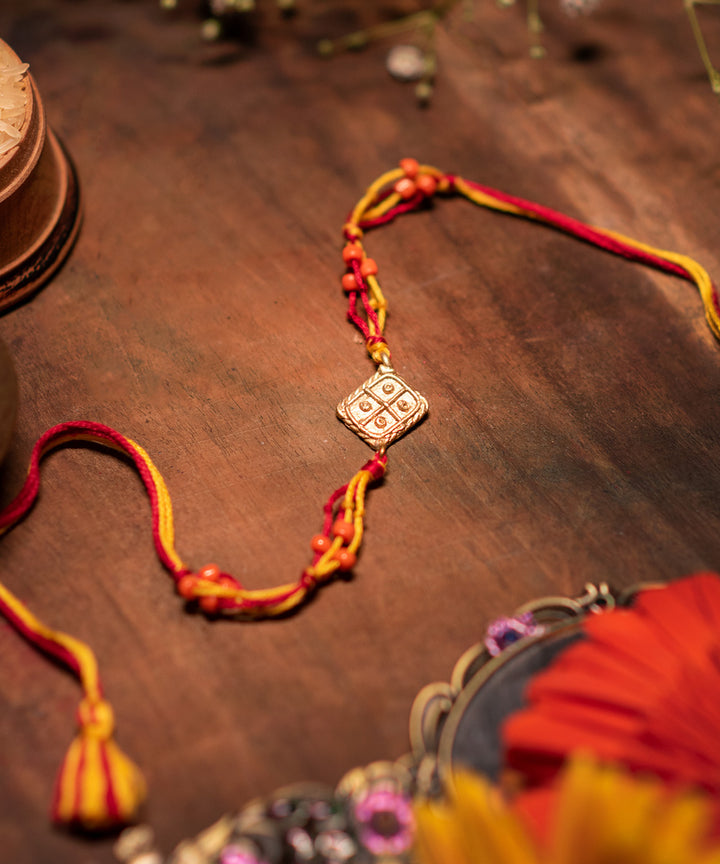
(382, 409)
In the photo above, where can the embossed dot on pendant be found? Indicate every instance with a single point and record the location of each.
(364, 406)
(402, 405)
(381, 422)
(388, 388)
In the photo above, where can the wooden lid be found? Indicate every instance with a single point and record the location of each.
(39, 203)
(17, 164)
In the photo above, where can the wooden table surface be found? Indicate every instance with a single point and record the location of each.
(573, 429)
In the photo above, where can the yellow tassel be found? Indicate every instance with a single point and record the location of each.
(98, 787)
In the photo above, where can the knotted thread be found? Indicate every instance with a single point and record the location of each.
(97, 787)
(413, 186)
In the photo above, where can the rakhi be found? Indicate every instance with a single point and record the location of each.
(98, 786)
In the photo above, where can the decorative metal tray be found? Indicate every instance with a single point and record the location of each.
(368, 817)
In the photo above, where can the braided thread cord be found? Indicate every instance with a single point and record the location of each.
(98, 786)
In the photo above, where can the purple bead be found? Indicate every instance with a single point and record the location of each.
(505, 631)
(237, 855)
(386, 822)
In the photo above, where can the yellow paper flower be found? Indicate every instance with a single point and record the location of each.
(602, 816)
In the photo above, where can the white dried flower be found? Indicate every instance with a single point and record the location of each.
(405, 62)
(13, 98)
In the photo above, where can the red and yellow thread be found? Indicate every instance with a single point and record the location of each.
(98, 786)
(411, 186)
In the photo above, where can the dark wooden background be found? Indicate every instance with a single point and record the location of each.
(573, 433)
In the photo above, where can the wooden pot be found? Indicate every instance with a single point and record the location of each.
(39, 204)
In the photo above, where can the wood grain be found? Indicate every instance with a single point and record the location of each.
(573, 422)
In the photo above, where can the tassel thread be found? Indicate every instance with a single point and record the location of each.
(98, 787)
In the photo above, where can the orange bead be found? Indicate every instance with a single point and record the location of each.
(343, 529)
(186, 587)
(349, 282)
(346, 560)
(320, 543)
(209, 572)
(410, 167)
(426, 184)
(352, 252)
(405, 188)
(228, 582)
(369, 267)
(209, 604)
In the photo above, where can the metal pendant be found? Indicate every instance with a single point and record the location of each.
(383, 408)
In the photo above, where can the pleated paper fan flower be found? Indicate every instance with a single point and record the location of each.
(602, 815)
(642, 690)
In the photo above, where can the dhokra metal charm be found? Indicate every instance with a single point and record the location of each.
(383, 408)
